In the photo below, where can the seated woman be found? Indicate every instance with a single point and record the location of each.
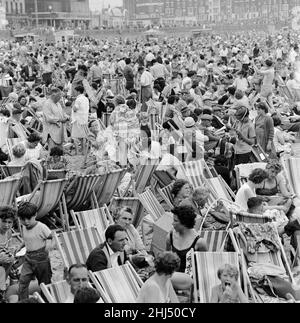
(18, 152)
(274, 187)
(282, 140)
(183, 238)
(248, 189)
(158, 288)
(229, 291)
(33, 147)
(181, 190)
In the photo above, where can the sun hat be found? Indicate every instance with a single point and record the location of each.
(189, 122)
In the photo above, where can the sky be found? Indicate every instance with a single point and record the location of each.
(97, 4)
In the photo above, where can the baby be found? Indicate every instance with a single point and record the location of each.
(229, 290)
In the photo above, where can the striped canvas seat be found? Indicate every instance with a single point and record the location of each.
(98, 218)
(215, 240)
(144, 175)
(56, 292)
(46, 196)
(166, 194)
(221, 188)
(292, 172)
(107, 186)
(205, 267)
(245, 217)
(163, 178)
(84, 186)
(58, 173)
(8, 191)
(105, 119)
(120, 284)
(133, 203)
(151, 204)
(75, 246)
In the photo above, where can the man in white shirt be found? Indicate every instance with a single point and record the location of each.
(146, 87)
(77, 278)
(224, 54)
(149, 58)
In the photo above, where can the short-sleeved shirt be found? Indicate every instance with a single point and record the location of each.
(36, 237)
(248, 131)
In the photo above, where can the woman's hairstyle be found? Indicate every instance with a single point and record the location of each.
(19, 150)
(27, 210)
(5, 112)
(274, 164)
(131, 104)
(119, 210)
(34, 137)
(56, 151)
(111, 231)
(79, 89)
(178, 185)
(85, 295)
(119, 100)
(276, 120)
(186, 216)
(8, 212)
(229, 270)
(166, 263)
(258, 176)
(263, 106)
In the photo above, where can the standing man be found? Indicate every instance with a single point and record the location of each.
(128, 74)
(54, 125)
(46, 71)
(80, 115)
(146, 87)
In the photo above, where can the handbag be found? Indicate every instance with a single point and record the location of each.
(275, 286)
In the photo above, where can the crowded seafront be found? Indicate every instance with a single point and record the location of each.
(156, 168)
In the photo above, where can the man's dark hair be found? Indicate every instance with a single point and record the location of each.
(56, 151)
(254, 202)
(8, 212)
(79, 89)
(111, 231)
(127, 61)
(34, 137)
(86, 295)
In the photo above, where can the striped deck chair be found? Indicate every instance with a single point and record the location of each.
(77, 193)
(215, 240)
(286, 93)
(107, 186)
(205, 266)
(151, 205)
(244, 217)
(166, 194)
(38, 297)
(76, 246)
(120, 284)
(133, 203)
(277, 258)
(244, 170)
(145, 174)
(10, 143)
(56, 292)
(163, 178)
(221, 188)
(58, 173)
(98, 218)
(8, 191)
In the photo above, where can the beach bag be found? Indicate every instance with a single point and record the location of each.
(275, 286)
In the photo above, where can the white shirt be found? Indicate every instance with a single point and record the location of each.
(224, 52)
(149, 57)
(83, 106)
(146, 79)
(243, 195)
(113, 257)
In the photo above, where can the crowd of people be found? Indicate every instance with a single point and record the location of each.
(120, 103)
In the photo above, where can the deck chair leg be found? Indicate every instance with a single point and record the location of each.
(66, 213)
(61, 212)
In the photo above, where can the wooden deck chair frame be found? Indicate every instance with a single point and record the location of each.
(111, 283)
(133, 203)
(211, 261)
(10, 170)
(215, 240)
(75, 246)
(98, 218)
(56, 292)
(38, 297)
(10, 143)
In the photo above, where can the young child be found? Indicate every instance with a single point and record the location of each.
(7, 218)
(57, 159)
(229, 290)
(37, 240)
